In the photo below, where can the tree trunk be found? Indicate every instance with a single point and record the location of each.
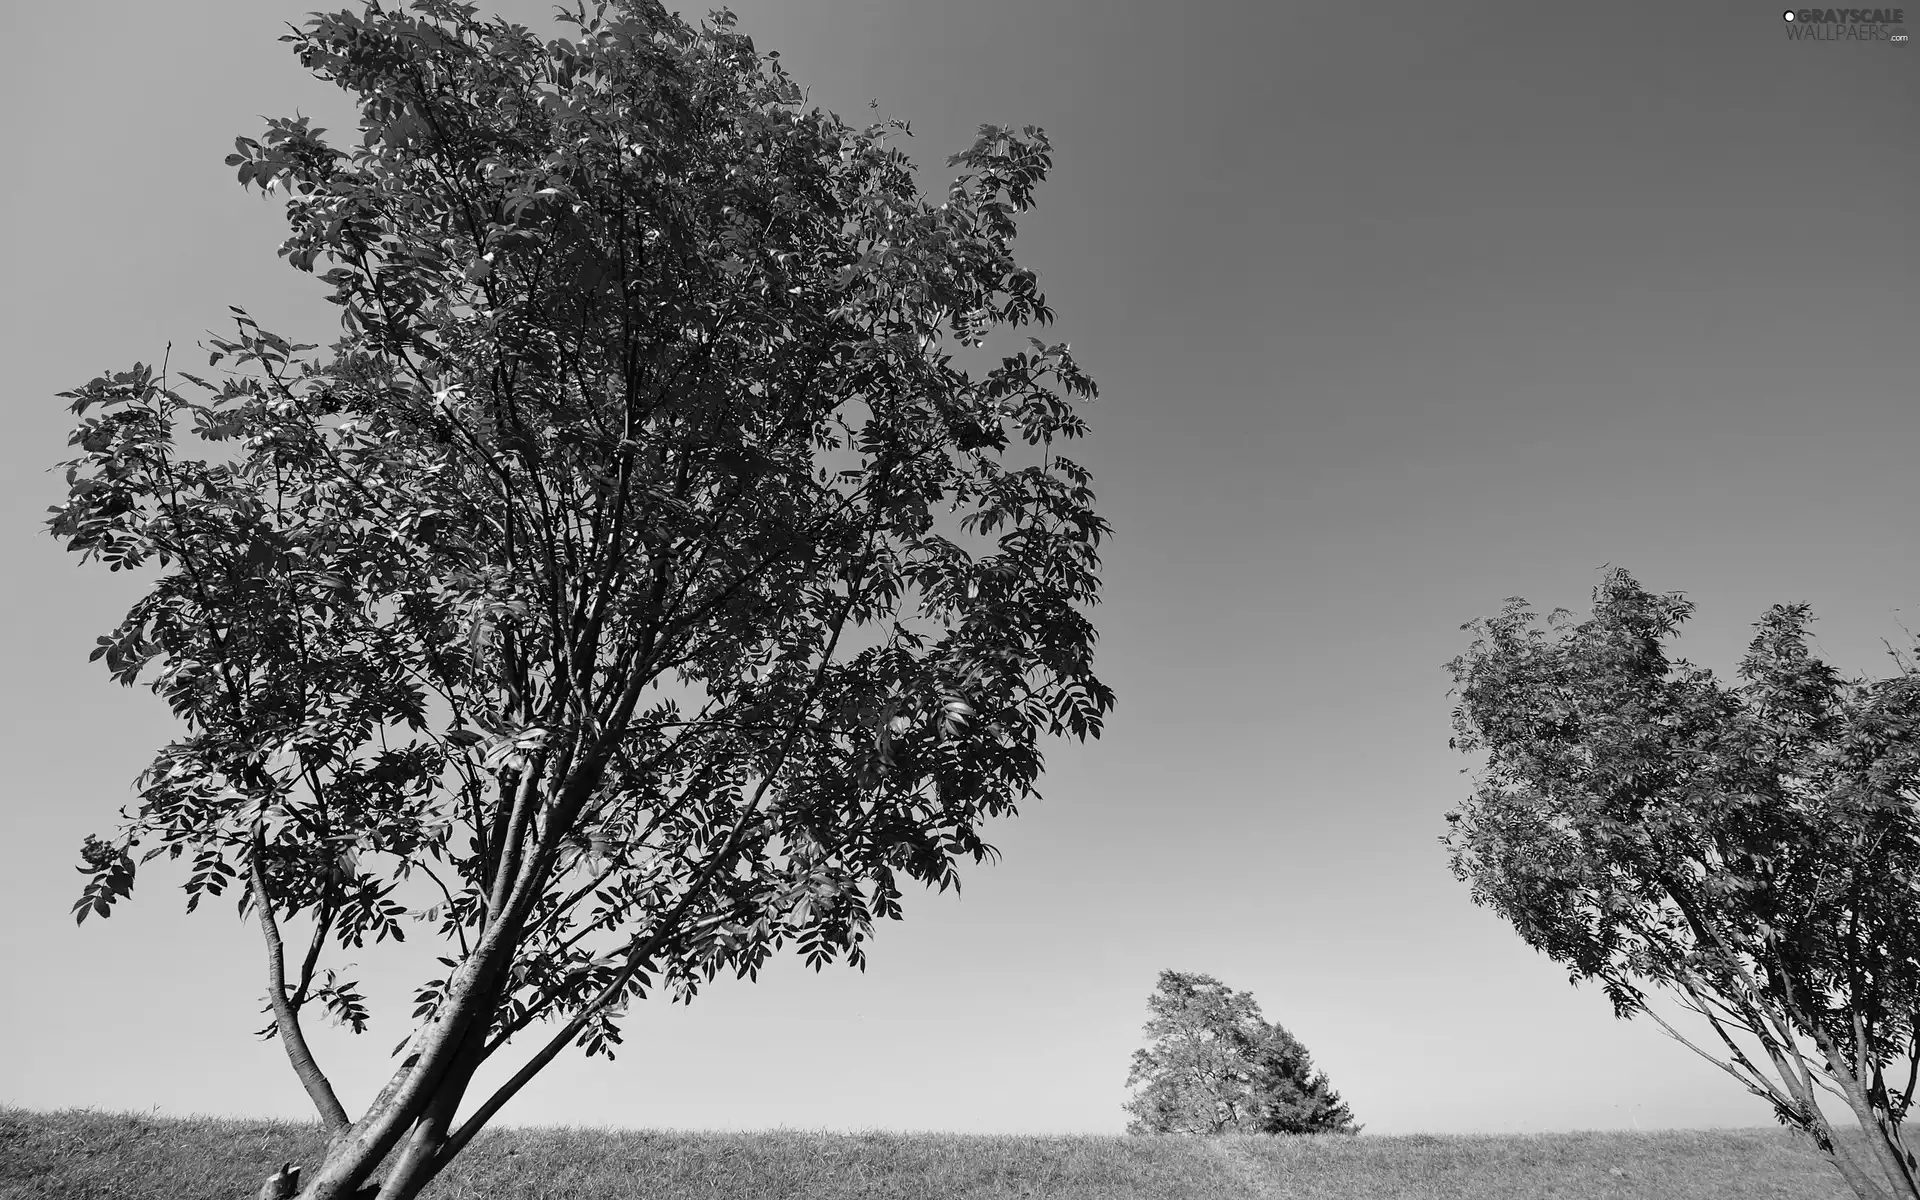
(434, 1073)
(403, 1104)
(421, 1158)
(351, 1159)
(1882, 1144)
(1880, 1147)
(1858, 1178)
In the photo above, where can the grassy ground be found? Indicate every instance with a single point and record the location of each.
(86, 1155)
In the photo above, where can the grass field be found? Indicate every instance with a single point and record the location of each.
(87, 1155)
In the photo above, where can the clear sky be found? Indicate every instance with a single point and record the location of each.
(1398, 308)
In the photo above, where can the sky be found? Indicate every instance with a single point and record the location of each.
(1398, 309)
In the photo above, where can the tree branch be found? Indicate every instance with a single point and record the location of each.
(319, 1090)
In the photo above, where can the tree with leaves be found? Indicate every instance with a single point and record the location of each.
(1213, 1065)
(655, 572)
(1749, 850)
(1292, 1096)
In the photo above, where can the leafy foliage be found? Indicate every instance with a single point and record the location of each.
(1215, 1066)
(1292, 1096)
(657, 571)
(1749, 849)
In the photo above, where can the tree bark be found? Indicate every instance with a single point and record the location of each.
(286, 1018)
(1857, 1178)
(432, 1060)
(1899, 1176)
(421, 1159)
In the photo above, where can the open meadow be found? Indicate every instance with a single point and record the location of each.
(87, 1155)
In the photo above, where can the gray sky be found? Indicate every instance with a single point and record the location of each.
(1398, 309)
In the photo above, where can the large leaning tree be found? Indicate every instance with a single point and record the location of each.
(1214, 1065)
(1751, 851)
(656, 572)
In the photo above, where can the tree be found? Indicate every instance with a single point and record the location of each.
(1215, 1066)
(1749, 850)
(1292, 1096)
(637, 586)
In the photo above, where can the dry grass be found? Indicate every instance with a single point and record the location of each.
(87, 1155)
(1729, 1164)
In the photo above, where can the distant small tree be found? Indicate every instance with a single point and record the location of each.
(1292, 1097)
(1215, 1066)
(1751, 850)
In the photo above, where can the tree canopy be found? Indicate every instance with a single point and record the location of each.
(667, 561)
(1213, 1065)
(1749, 850)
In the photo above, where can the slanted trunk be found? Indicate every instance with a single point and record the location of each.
(1858, 1178)
(345, 1173)
(420, 1088)
(422, 1158)
(1861, 1178)
(1883, 1148)
(421, 1097)
(1894, 1178)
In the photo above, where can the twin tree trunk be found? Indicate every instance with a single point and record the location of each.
(418, 1103)
(1885, 1148)
(421, 1099)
